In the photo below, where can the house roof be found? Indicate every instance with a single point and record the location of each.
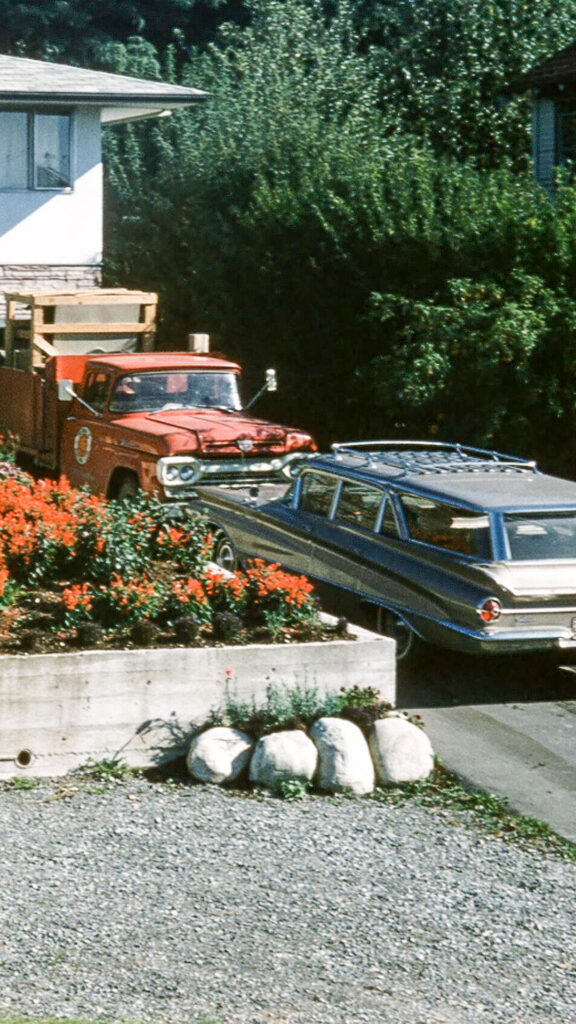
(121, 98)
(559, 69)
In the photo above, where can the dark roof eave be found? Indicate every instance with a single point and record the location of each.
(109, 99)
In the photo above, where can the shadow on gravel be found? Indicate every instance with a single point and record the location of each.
(442, 678)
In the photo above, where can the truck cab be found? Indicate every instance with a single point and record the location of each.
(164, 422)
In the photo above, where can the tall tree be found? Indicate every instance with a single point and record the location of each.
(80, 31)
(308, 216)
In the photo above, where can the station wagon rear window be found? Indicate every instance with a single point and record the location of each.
(446, 526)
(541, 535)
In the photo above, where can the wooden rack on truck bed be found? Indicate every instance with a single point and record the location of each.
(43, 324)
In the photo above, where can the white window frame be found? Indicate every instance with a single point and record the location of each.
(31, 116)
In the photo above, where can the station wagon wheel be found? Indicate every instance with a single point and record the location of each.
(389, 624)
(224, 552)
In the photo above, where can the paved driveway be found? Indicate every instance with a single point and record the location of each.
(507, 725)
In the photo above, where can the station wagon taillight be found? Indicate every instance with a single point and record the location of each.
(489, 610)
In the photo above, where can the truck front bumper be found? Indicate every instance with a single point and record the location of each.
(179, 474)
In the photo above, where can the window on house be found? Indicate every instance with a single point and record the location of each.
(566, 133)
(34, 150)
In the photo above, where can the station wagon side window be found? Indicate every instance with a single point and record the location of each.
(96, 390)
(389, 526)
(446, 526)
(358, 505)
(317, 493)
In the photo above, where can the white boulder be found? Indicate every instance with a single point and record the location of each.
(282, 756)
(401, 751)
(344, 762)
(219, 754)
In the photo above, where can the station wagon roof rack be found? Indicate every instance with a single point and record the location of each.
(422, 457)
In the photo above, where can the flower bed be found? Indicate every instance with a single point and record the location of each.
(163, 632)
(79, 571)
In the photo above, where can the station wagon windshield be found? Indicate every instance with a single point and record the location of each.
(175, 389)
(541, 535)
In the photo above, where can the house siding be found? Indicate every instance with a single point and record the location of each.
(60, 228)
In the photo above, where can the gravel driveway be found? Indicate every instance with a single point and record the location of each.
(142, 902)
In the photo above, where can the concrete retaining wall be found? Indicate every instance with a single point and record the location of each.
(59, 710)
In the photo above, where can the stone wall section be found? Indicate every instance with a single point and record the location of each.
(60, 710)
(19, 278)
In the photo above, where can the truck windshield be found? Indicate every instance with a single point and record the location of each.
(537, 535)
(175, 389)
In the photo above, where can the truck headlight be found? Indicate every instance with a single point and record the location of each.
(176, 469)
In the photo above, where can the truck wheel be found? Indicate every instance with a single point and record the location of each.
(127, 488)
(389, 624)
(224, 552)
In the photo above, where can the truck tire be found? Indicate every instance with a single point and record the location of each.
(127, 487)
(224, 552)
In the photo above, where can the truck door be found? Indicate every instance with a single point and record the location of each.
(83, 454)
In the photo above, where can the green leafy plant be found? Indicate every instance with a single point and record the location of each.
(293, 789)
(21, 782)
(187, 597)
(279, 599)
(135, 532)
(485, 810)
(362, 705)
(106, 770)
(8, 450)
(283, 708)
(77, 604)
(125, 602)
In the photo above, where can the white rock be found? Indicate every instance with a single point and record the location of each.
(344, 759)
(282, 756)
(401, 751)
(219, 754)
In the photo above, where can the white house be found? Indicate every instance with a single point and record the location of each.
(51, 165)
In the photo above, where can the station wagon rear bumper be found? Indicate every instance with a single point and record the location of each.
(494, 641)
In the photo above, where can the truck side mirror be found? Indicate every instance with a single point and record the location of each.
(65, 390)
(270, 384)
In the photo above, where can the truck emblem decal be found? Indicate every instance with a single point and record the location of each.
(83, 445)
(245, 444)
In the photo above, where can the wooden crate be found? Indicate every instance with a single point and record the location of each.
(37, 325)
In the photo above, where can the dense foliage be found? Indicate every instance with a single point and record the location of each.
(81, 31)
(354, 205)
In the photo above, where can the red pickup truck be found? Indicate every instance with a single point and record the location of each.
(159, 421)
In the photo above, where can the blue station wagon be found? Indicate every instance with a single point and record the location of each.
(464, 548)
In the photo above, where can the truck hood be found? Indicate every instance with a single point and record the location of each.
(219, 432)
